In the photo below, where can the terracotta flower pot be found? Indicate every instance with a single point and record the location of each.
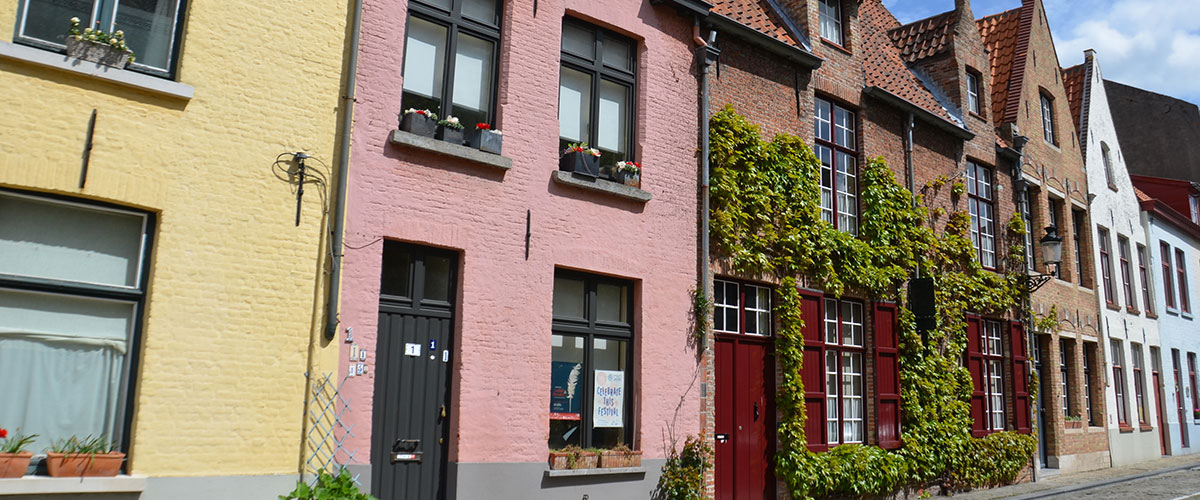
(562, 460)
(14, 464)
(614, 459)
(83, 464)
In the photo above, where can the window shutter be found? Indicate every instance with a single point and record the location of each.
(887, 376)
(1020, 371)
(812, 310)
(975, 366)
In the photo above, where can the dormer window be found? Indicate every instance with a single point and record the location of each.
(831, 20)
(973, 102)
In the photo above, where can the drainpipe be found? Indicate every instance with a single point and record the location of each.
(343, 162)
(1021, 188)
(908, 169)
(707, 54)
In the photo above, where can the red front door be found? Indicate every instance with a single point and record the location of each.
(745, 415)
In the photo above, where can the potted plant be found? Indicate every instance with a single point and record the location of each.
(1196, 414)
(341, 486)
(89, 456)
(421, 122)
(581, 159)
(573, 457)
(14, 460)
(450, 130)
(95, 45)
(483, 138)
(629, 173)
(620, 456)
(1073, 421)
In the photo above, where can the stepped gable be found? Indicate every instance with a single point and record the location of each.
(758, 15)
(883, 65)
(927, 37)
(1006, 36)
(1073, 79)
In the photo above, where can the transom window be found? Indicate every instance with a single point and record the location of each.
(835, 146)
(596, 91)
(973, 101)
(450, 55)
(844, 387)
(993, 363)
(592, 331)
(983, 219)
(1048, 119)
(741, 308)
(151, 27)
(830, 12)
(1126, 272)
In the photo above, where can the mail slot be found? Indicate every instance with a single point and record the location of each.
(404, 456)
(722, 438)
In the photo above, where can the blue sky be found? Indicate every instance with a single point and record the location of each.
(1150, 44)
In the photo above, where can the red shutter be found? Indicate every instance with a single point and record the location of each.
(887, 376)
(975, 366)
(812, 310)
(1020, 371)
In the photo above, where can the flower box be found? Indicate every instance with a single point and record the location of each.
(1073, 424)
(14, 464)
(97, 52)
(84, 464)
(612, 459)
(628, 179)
(561, 460)
(580, 163)
(449, 134)
(484, 140)
(419, 124)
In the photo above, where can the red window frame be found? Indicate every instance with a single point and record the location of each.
(1185, 302)
(1127, 273)
(1145, 278)
(1119, 383)
(1168, 274)
(1191, 357)
(980, 191)
(740, 295)
(842, 149)
(1138, 381)
(1106, 266)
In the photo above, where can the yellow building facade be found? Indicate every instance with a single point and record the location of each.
(222, 300)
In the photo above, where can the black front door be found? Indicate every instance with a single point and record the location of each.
(410, 420)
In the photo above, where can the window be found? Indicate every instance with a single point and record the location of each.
(1054, 214)
(1064, 374)
(973, 102)
(1191, 357)
(1108, 168)
(835, 146)
(1027, 216)
(1126, 272)
(1145, 279)
(1089, 352)
(72, 294)
(1110, 295)
(596, 91)
(983, 224)
(1168, 275)
(993, 363)
(831, 20)
(844, 388)
(1139, 382)
(1185, 302)
(740, 308)
(1048, 119)
(1077, 226)
(1194, 204)
(592, 331)
(152, 27)
(1118, 361)
(450, 56)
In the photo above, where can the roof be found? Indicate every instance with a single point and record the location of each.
(1141, 195)
(1159, 135)
(1073, 79)
(1006, 35)
(927, 37)
(758, 15)
(884, 67)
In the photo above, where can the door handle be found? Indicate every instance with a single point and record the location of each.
(756, 411)
(442, 414)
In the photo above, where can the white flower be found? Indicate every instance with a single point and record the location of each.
(74, 20)
(120, 33)
(453, 120)
(593, 151)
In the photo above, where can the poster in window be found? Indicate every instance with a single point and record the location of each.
(565, 399)
(609, 399)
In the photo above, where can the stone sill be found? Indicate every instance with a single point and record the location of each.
(594, 472)
(38, 485)
(601, 186)
(431, 145)
(1125, 429)
(127, 78)
(1146, 428)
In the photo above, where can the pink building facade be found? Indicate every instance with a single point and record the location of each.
(498, 306)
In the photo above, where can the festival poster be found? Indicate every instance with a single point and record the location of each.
(609, 400)
(565, 397)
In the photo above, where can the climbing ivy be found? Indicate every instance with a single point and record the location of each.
(766, 220)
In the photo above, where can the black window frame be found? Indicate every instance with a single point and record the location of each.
(598, 71)
(590, 329)
(835, 209)
(107, 12)
(454, 21)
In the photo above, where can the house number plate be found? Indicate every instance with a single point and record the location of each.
(400, 456)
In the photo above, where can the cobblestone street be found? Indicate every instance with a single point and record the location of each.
(1171, 478)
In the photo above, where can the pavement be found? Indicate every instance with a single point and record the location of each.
(1168, 478)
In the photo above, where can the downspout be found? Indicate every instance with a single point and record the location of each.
(343, 162)
(707, 54)
(1022, 187)
(908, 170)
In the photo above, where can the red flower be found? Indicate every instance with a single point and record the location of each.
(3, 433)
(483, 126)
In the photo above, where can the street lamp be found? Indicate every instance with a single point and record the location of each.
(1051, 245)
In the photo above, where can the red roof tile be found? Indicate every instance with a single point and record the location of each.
(1073, 82)
(924, 38)
(1141, 195)
(756, 14)
(1006, 36)
(883, 65)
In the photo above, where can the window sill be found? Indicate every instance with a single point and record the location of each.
(1186, 315)
(1113, 187)
(1145, 428)
(600, 185)
(431, 145)
(1133, 311)
(834, 45)
(1172, 311)
(133, 79)
(977, 115)
(39, 485)
(1125, 429)
(595, 472)
(1113, 307)
(1151, 315)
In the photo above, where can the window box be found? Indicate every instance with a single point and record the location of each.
(574, 459)
(488, 141)
(614, 459)
(97, 52)
(628, 178)
(418, 123)
(580, 162)
(449, 134)
(84, 464)
(14, 464)
(1073, 424)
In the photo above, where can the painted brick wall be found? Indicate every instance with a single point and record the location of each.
(500, 394)
(234, 283)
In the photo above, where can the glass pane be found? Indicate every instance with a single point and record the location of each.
(574, 104)
(831, 321)
(66, 319)
(49, 20)
(149, 27)
(845, 128)
(751, 323)
(566, 389)
(611, 301)
(569, 298)
(823, 120)
(579, 41)
(614, 112)
(69, 242)
(473, 66)
(480, 10)
(618, 54)
(612, 384)
(442, 4)
(424, 64)
(437, 278)
(396, 277)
